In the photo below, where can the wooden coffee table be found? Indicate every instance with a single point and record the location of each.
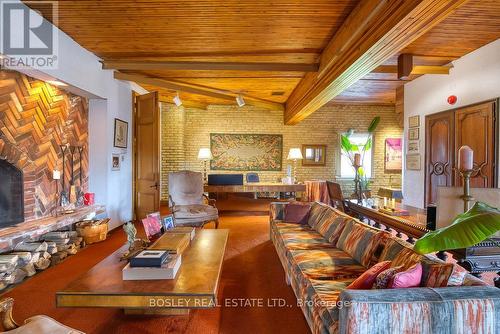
(195, 286)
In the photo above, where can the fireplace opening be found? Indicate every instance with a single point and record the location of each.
(11, 194)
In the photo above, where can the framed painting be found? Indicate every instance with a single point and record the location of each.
(246, 152)
(121, 133)
(413, 162)
(413, 134)
(414, 121)
(413, 147)
(313, 155)
(393, 155)
(115, 162)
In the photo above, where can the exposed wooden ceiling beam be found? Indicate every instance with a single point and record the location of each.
(374, 31)
(189, 104)
(196, 89)
(145, 65)
(406, 67)
(417, 69)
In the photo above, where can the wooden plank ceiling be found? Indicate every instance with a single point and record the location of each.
(291, 33)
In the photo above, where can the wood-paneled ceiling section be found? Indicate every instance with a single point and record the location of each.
(283, 33)
(473, 25)
(258, 31)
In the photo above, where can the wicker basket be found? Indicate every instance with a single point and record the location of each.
(93, 231)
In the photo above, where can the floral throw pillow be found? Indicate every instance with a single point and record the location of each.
(367, 279)
(384, 279)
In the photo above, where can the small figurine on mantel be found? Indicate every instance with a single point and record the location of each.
(135, 245)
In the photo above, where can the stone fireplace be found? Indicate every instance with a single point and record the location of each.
(11, 194)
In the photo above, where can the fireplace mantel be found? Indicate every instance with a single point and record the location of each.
(32, 230)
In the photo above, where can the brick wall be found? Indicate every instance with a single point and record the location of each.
(185, 130)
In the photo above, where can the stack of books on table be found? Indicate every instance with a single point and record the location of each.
(152, 265)
(172, 242)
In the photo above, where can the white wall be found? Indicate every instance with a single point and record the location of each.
(109, 99)
(474, 78)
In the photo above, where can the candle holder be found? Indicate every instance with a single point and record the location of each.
(357, 184)
(466, 197)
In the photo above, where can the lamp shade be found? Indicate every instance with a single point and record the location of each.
(295, 154)
(204, 154)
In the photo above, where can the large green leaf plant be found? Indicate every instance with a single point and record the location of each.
(349, 149)
(467, 229)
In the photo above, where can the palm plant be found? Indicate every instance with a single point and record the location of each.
(349, 148)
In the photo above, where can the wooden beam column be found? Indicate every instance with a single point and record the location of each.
(374, 31)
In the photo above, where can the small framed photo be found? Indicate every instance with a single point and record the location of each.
(413, 147)
(414, 121)
(413, 162)
(115, 162)
(121, 133)
(413, 134)
(167, 222)
(313, 155)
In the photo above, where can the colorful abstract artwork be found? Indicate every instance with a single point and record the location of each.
(244, 152)
(393, 155)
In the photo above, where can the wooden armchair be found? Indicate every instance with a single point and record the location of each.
(39, 324)
(336, 197)
(187, 200)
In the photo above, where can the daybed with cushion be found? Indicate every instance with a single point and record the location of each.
(328, 250)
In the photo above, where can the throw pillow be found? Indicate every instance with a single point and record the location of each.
(438, 275)
(385, 277)
(407, 279)
(297, 212)
(366, 280)
(374, 248)
(406, 258)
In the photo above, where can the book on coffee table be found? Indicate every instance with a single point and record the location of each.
(149, 258)
(168, 270)
(183, 229)
(172, 242)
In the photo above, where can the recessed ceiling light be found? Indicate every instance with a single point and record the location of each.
(56, 83)
(240, 101)
(177, 100)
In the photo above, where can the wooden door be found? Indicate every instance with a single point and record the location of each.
(439, 154)
(475, 127)
(147, 155)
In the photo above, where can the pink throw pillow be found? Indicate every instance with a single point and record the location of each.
(409, 278)
(297, 212)
(366, 280)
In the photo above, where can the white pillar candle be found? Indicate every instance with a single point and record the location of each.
(56, 174)
(393, 203)
(465, 158)
(385, 202)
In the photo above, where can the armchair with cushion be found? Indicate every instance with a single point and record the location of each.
(187, 200)
(40, 324)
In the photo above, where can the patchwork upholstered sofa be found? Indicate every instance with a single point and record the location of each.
(326, 251)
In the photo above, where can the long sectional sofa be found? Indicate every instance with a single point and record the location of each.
(321, 258)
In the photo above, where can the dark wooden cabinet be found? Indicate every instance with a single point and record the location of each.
(446, 132)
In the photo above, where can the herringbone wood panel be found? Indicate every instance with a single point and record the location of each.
(35, 119)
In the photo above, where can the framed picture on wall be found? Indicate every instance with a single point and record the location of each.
(115, 162)
(413, 134)
(313, 155)
(413, 147)
(393, 162)
(413, 162)
(414, 121)
(121, 133)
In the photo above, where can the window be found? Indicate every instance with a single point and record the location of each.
(346, 169)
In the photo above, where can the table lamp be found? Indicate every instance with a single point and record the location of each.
(295, 154)
(205, 155)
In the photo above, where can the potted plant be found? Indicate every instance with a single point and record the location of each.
(350, 149)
